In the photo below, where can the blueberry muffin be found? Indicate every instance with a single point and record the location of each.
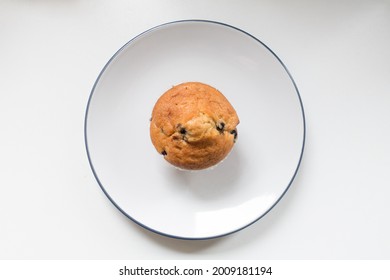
(193, 126)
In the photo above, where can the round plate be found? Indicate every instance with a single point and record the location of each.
(202, 204)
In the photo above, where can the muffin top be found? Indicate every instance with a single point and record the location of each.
(193, 126)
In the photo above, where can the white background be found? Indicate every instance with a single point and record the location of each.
(51, 52)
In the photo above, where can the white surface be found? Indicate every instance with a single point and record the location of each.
(337, 52)
(207, 203)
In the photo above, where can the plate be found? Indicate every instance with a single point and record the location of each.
(202, 204)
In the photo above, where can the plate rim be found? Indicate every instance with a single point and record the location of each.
(108, 64)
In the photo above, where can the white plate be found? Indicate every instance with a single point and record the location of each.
(202, 204)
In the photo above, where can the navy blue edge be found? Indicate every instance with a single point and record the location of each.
(89, 156)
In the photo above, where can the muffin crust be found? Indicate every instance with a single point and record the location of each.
(193, 126)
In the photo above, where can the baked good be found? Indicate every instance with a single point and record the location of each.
(193, 126)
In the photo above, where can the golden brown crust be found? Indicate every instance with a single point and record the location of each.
(193, 126)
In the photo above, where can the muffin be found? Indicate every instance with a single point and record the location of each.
(193, 126)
